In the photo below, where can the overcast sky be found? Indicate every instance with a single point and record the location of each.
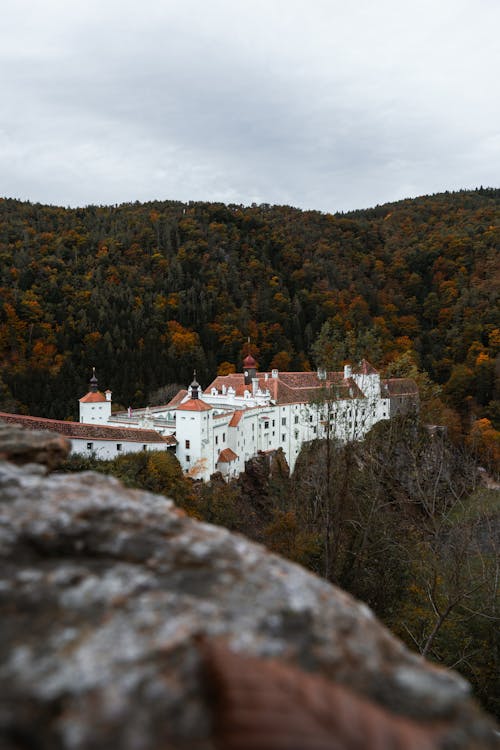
(319, 104)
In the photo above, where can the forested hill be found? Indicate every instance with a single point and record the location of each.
(147, 292)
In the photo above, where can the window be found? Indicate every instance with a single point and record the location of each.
(283, 438)
(118, 446)
(273, 422)
(266, 425)
(90, 446)
(283, 421)
(188, 459)
(144, 447)
(223, 437)
(216, 440)
(296, 420)
(188, 444)
(310, 419)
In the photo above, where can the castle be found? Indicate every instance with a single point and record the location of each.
(237, 416)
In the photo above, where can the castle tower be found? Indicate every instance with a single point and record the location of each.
(95, 407)
(192, 430)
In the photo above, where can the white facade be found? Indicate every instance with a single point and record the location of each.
(95, 412)
(240, 414)
(104, 449)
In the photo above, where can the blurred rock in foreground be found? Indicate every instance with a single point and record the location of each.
(126, 625)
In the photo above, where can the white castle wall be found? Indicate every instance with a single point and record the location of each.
(107, 449)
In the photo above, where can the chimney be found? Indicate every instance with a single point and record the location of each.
(347, 371)
(255, 386)
(108, 395)
(321, 374)
(274, 373)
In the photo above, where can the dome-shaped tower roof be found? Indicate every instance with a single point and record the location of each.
(249, 362)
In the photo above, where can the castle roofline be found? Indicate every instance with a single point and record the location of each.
(93, 397)
(226, 456)
(194, 404)
(82, 431)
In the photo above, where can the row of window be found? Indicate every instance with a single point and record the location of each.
(119, 446)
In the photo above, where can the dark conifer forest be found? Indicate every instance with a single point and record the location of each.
(148, 292)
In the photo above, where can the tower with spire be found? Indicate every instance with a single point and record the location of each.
(193, 428)
(95, 407)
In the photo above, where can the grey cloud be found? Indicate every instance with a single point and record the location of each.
(313, 104)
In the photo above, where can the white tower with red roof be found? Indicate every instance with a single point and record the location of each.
(193, 430)
(95, 407)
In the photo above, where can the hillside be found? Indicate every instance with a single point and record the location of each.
(147, 292)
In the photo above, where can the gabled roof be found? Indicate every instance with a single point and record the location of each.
(226, 456)
(81, 431)
(399, 387)
(93, 397)
(235, 419)
(194, 404)
(176, 399)
(292, 387)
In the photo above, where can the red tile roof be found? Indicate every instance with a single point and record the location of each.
(194, 404)
(176, 399)
(93, 397)
(235, 419)
(226, 456)
(292, 387)
(78, 430)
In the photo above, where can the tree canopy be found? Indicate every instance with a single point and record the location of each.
(149, 292)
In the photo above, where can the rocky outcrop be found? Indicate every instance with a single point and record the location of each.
(125, 624)
(22, 446)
